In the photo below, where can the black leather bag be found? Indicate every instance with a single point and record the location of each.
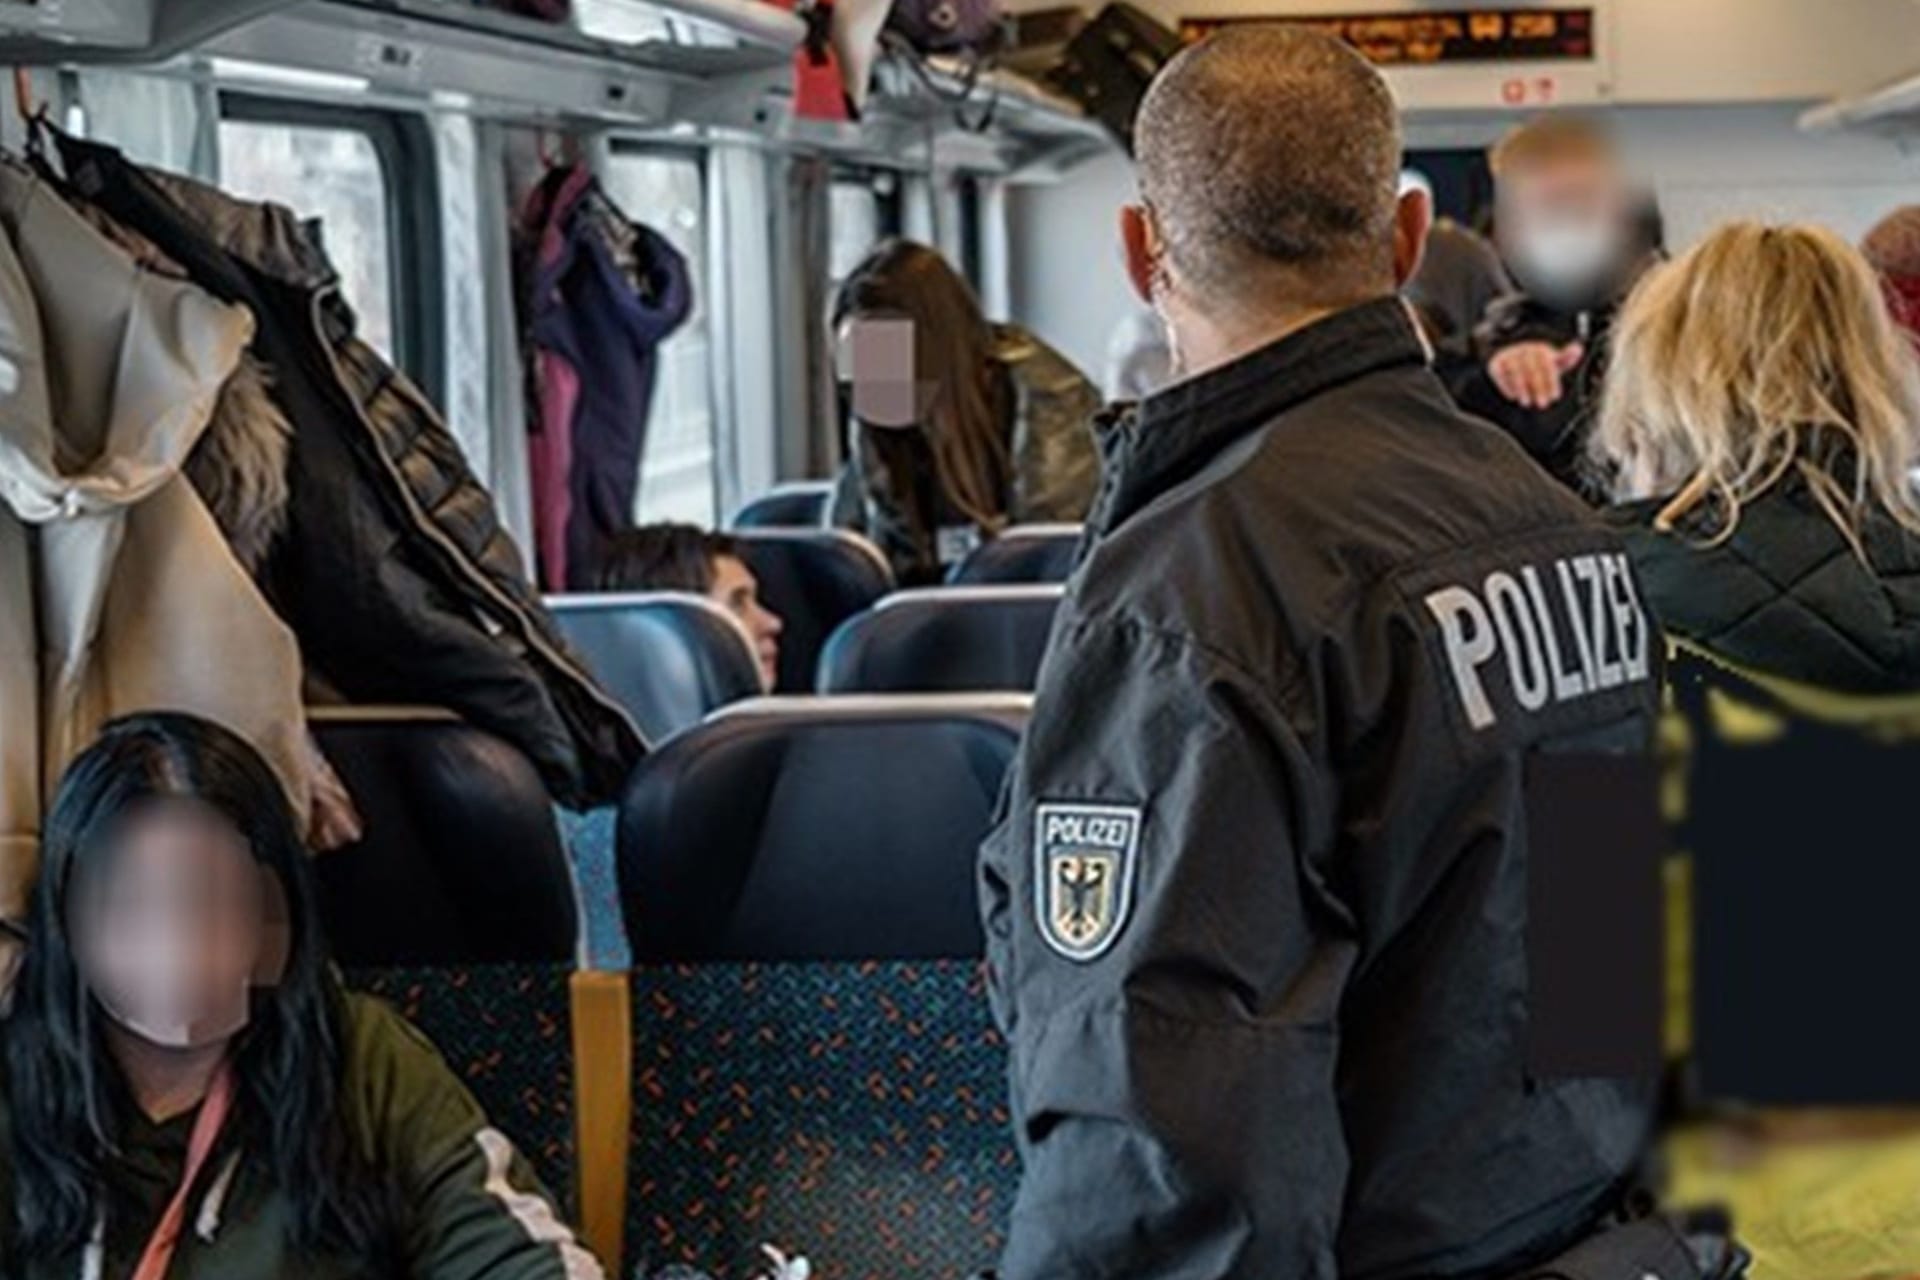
(1650, 1248)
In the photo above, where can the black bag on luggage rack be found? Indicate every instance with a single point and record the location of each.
(544, 10)
(1110, 63)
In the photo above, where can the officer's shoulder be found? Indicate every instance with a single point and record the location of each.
(1284, 538)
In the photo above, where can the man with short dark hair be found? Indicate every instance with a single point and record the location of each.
(1338, 667)
(684, 557)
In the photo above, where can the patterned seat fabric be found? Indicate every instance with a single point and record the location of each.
(852, 1113)
(505, 1030)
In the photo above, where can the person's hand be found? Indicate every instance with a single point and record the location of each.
(1533, 374)
(332, 819)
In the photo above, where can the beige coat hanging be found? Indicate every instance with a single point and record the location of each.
(118, 592)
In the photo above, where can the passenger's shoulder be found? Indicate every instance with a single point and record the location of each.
(394, 1075)
(1035, 366)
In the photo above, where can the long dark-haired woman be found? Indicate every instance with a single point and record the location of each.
(958, 427)
(187, 1090)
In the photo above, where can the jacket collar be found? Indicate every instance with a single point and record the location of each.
(266, 237)
(1172, 434)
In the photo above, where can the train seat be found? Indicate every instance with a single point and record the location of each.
(815, 1062)
(853, 1113)
(797, 504)
(669, 658)
(815, 579)
(461, 862)
(943, 640)
(1024, 553)
(816, 829)
(504, 1030)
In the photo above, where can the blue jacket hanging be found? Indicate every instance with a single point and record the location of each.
(603, 293)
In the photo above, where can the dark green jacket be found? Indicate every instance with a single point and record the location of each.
(475, 1207)
(1786, 595)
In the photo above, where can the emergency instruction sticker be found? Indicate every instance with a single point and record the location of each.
(1083, 875)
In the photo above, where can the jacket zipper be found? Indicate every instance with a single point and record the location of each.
(529, 633)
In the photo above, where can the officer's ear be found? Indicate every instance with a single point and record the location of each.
(1140, 240)
(1412, 219)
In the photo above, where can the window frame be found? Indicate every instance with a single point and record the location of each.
(403, 144)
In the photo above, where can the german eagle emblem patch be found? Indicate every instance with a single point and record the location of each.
(1083, 875)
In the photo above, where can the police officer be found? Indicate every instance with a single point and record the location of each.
(1336, 657)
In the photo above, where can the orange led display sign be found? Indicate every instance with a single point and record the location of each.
(1431, 36)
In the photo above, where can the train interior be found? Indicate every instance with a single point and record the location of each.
(733, 998)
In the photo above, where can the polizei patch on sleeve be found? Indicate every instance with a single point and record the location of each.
(1523, 639)
(1083, 874)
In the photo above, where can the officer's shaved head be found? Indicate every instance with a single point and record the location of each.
(1271, 152)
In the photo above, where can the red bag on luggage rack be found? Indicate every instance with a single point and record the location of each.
(819, 89)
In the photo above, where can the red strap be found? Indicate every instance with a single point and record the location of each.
(158, 1254)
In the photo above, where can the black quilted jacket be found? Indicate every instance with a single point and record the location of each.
(394, 571)
(1786, 595)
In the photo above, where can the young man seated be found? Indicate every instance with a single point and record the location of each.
(681, 557)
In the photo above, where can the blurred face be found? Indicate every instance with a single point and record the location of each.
(735, 589)
(174, 927)
(1566, 229)
(876, 358)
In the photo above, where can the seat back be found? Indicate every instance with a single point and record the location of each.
(461, 861)
(943, 640)
(852, 1113)
(504, 1030)
(815, 579)
(816, 829)
(1024, 553)
(797, 504)
(669, 658)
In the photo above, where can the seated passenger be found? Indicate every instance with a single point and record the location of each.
(1893, 247)
(959, 427)
(187, 1091)
(680, 557)
(1759, 423)
(1575, 235)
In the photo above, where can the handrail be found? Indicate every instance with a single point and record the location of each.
(1875, 107)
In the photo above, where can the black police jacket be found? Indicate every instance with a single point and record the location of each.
(1257, 904)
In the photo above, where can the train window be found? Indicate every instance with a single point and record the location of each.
(854, 219)
(343, 166)
(334, 175)
(666, 190)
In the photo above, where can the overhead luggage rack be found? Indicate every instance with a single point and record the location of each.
(36, 31)
(993, 120)
(492, 61)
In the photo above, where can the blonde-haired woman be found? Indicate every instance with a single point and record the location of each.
(1761, 426)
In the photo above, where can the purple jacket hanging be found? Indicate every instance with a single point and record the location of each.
(605, 293)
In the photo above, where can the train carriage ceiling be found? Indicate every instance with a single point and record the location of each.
(706, 65)
(116, 30)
